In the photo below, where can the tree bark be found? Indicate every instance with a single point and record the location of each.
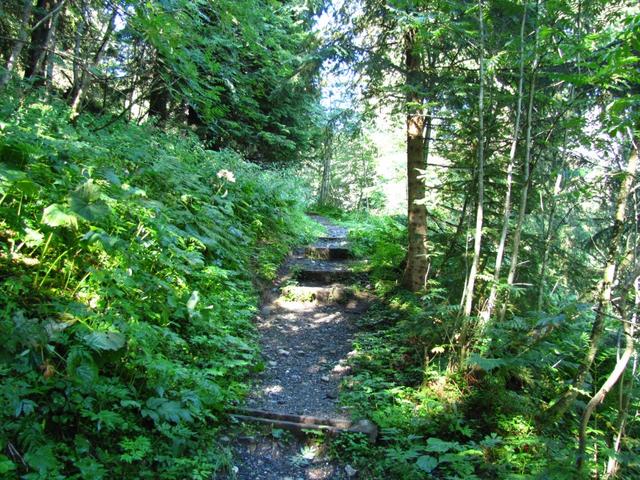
(548, 236)
(45, 17)
(417, 262)
(477, 241)
(84, 77)
(612, 379)
(488, 310)
(27, 6)
(604, 292)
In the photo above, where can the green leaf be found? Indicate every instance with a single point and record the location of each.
(56, 216)
(42, 459)
(427, 463)
(81, 367)
(486, 364)
(440, 446)
(105, 340)
(25, 407)
(90, 468)
(86, 202)
(6, 465)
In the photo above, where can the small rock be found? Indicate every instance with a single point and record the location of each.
(325, 378)
(301, 352)
(284, 352)
(225, 439)
(350, 471)
(273, 363)
(332, 395)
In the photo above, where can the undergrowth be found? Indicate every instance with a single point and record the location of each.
(128, 260)
(438, 419)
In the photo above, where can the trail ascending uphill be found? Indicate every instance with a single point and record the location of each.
(307, 328)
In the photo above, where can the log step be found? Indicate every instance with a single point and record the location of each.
(322, 271)
(328, 253)
(299, 423)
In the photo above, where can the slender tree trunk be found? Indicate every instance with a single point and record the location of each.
(477, 241)
(417, 262)
(27, 6)
(604, 293)
(84, 77)
(50, 54)
(548, 236)
(515, 249)
(159, 96)
(488, 310)
(77, 50)
(612, 379)
(621, 422)
(327, 153)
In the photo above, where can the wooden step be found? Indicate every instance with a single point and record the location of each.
(300, 423)
(322, 271)
(329, 249)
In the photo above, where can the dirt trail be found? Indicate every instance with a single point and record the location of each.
(307, 328)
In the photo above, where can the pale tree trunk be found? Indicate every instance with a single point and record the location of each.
(488, 310)
(621, 421)
(477, 241)
(327, 153)
(604, 292)
(513, 267)
(50, 56)
(19, 44)
(84, 77)
(548, 237)
(417, 262)
(77, 49)
(612, 379)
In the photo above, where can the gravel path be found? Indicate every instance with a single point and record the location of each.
(305, 346)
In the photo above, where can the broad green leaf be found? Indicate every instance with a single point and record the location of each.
(90, 468)
(55, 216)
(86, 202)
(6, 465)
(427, 463)
(440, 446)
(81, 367)
(105, 340)
(33, 238)
(486, 364)
(42, 459)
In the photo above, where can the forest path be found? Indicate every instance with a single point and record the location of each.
(307, 329)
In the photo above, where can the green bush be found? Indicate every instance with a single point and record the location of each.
(127, 263)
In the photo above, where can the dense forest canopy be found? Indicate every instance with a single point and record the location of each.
(156, 159)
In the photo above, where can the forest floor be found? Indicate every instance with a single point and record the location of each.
(307, 326)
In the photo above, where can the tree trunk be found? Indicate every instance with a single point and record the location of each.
(38, 40)
(604, 293)
(488, 310)
(517, 233)
(477, 241)
(416, 270)
(548, 236)
(325, 181)
(84, 77)
(50, 54)
(45, 16)
(77, 50)
(612, 379)
(621, 422)
(159, 96)
(17, 47)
